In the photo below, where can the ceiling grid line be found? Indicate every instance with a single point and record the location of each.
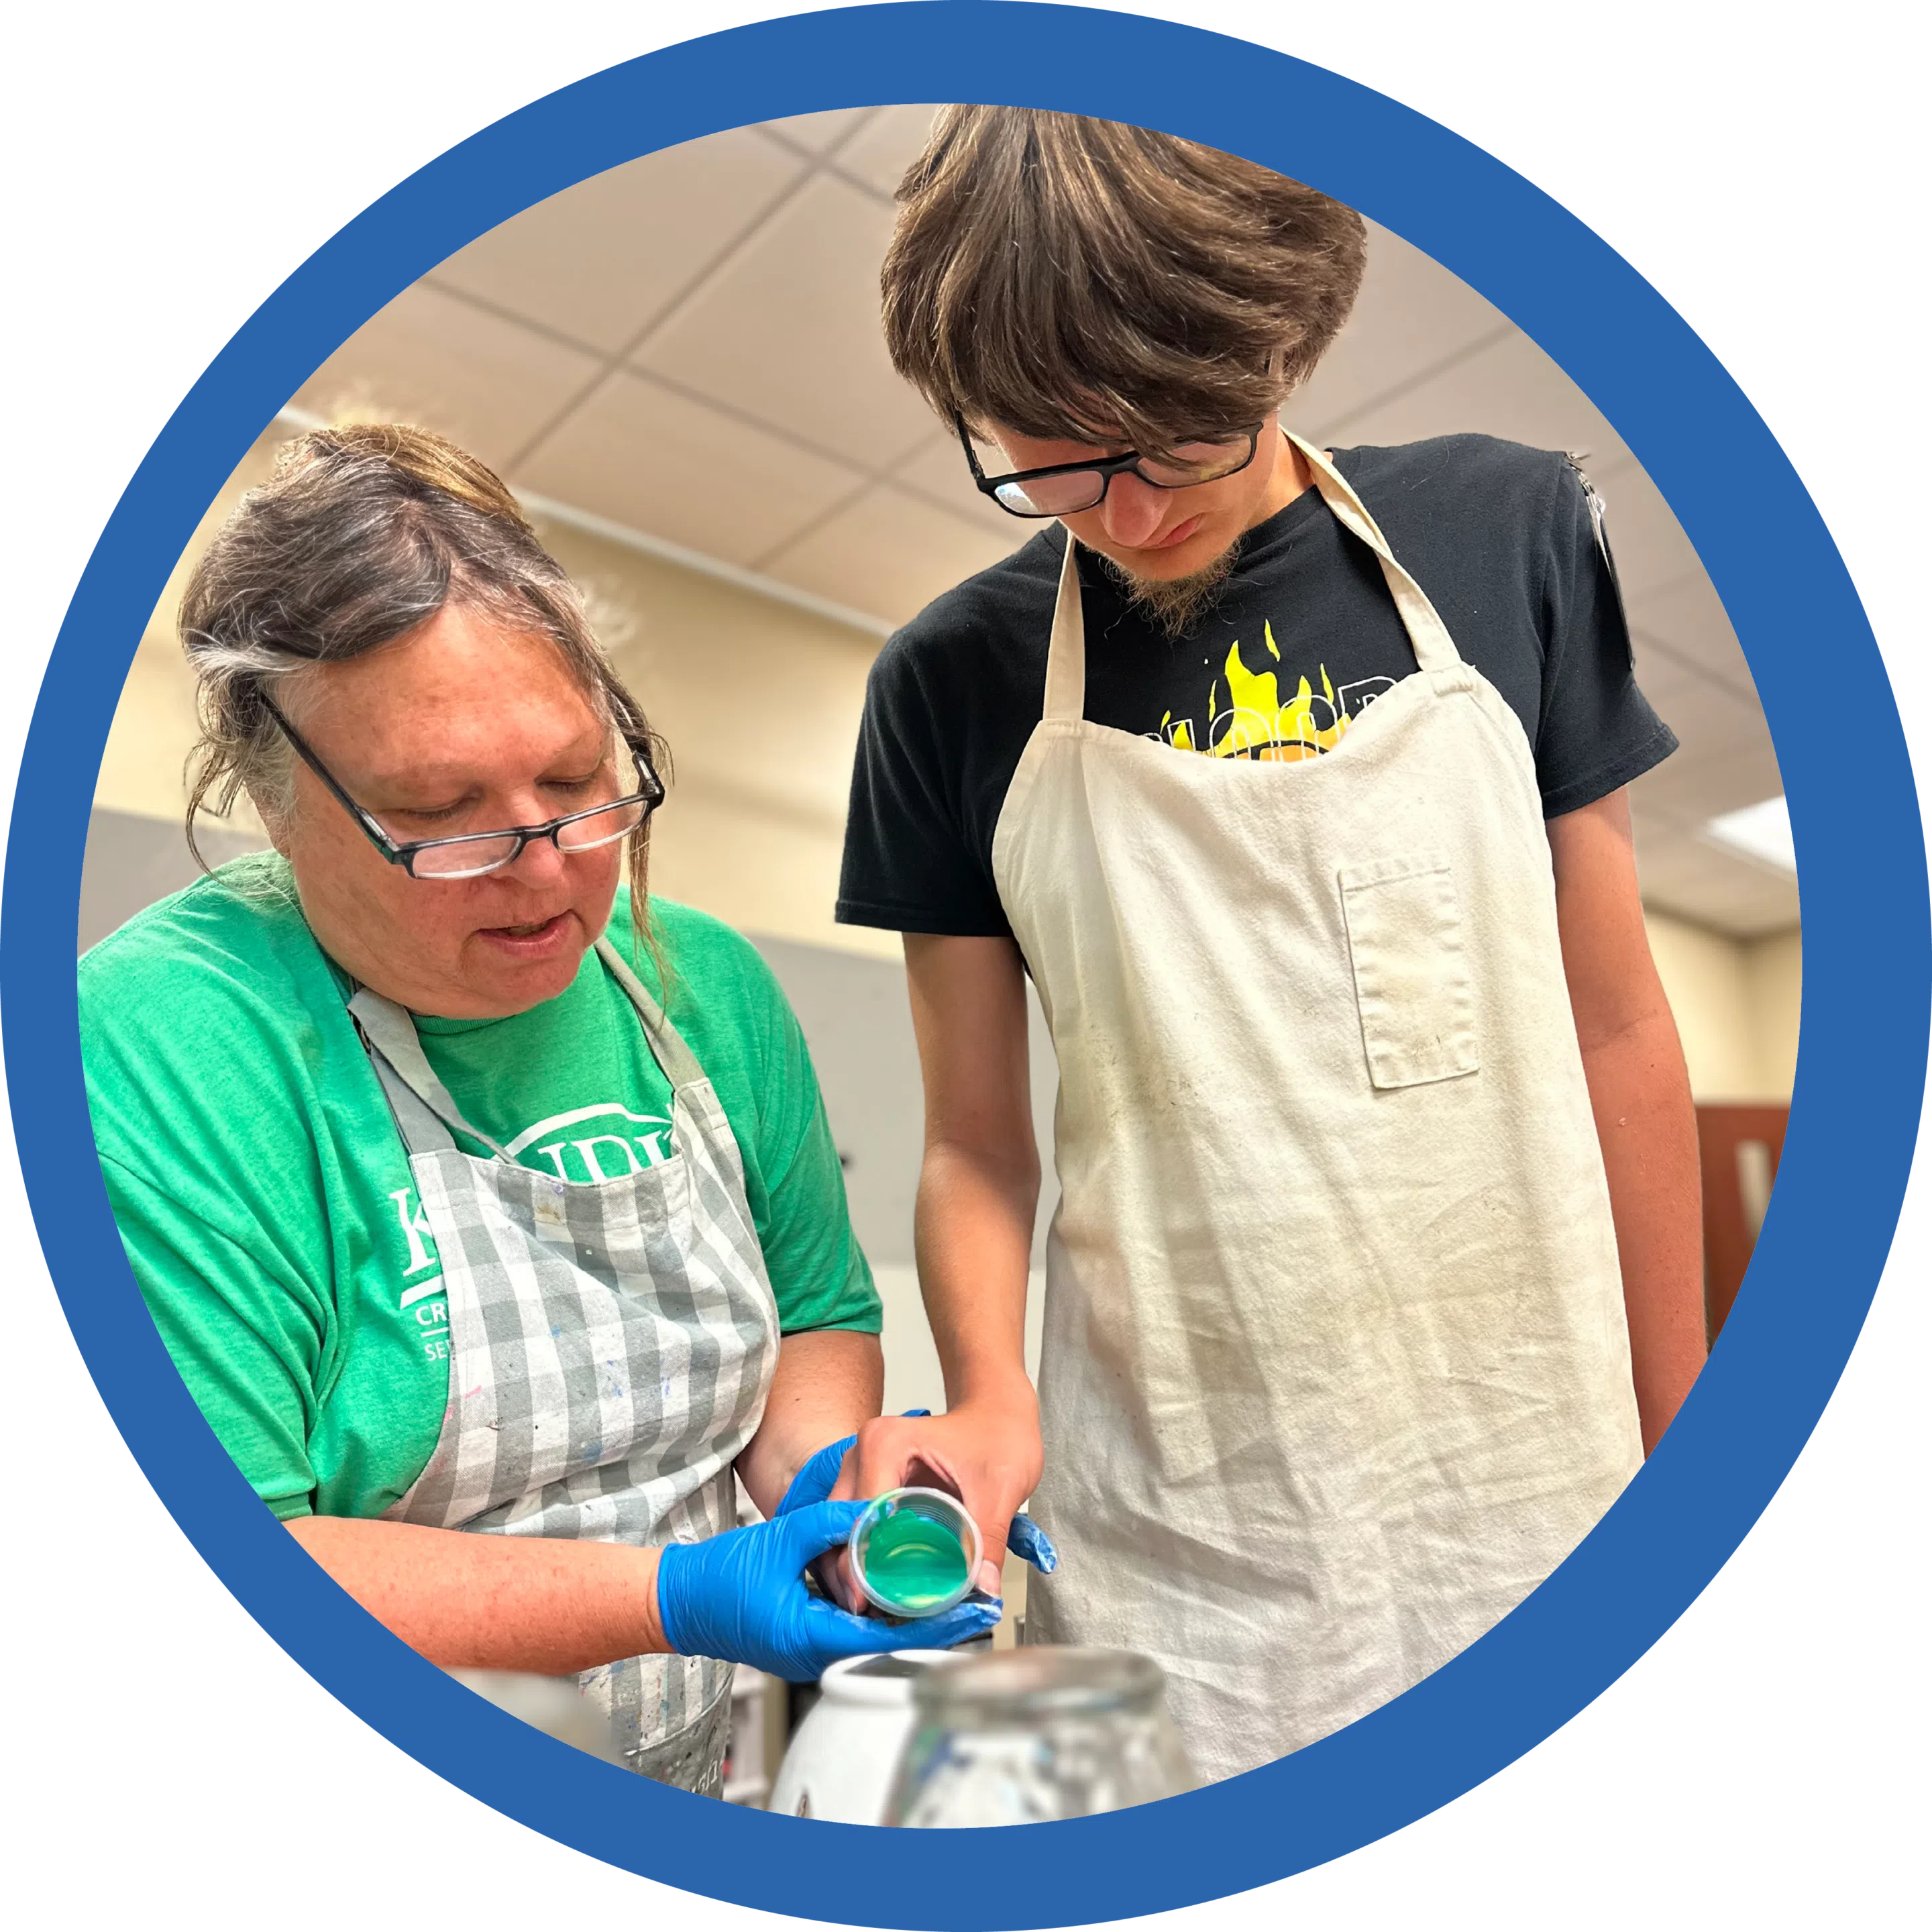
(1419, 380)
(885, 472)
(666, 310)
(837, 507)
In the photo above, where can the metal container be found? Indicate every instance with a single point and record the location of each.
(1022, 1736)
(552, 1705)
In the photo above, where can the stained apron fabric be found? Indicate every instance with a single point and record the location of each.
(610, 1348)
(1335, 1367)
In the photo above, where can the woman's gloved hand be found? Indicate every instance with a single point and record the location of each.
(741, 1597)
(819, 1473)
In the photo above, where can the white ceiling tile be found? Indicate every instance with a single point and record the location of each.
(434, 359)
(1682, 873)
(601, 260)
(673, 468)
(1711, 722)
(890, 553)
(879, 153)
(1411, 313)
(1509, 389)
(1663, 678)
(1696, 783)
(938, 469)
(818, 133)
(788, 330)
(1689, 617)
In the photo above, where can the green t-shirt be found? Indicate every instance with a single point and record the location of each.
(265, 1196)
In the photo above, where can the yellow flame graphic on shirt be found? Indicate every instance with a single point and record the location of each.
(1256, 722)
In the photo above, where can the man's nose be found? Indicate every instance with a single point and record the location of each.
(1132, 510)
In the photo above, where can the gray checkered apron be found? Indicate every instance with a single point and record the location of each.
(611, 1347)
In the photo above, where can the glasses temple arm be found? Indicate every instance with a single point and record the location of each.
(336, 790)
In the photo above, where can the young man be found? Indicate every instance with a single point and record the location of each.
(1295, 779)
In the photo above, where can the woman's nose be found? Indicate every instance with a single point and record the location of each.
(540, 863)
(1132, 510)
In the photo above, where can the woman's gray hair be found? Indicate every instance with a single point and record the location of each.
(362, 534)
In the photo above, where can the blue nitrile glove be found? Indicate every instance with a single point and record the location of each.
(820, 1472)
(1031, 1544)
(741, 1597)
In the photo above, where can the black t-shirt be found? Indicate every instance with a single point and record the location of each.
(1305, 634)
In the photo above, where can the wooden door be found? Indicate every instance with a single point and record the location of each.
(1738, 1149)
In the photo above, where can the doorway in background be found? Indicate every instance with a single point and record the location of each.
(1738, 1149)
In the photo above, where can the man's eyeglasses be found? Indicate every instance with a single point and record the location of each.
(1065, 489)
(470, 854)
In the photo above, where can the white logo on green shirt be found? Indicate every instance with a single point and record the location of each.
(592, 1157)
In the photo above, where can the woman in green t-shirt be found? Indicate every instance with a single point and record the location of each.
(457, 1210)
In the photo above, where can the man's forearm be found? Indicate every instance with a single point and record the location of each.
(1648, 1129)
(973, 1238)
(828, 1381)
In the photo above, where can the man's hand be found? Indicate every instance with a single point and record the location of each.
(986, 1452)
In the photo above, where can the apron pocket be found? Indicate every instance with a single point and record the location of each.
(1411, 969)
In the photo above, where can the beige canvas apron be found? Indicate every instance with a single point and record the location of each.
(1335, 1367)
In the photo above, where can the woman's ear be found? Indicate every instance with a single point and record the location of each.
(275, 824)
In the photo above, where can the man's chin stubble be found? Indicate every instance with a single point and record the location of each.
(1175, 604)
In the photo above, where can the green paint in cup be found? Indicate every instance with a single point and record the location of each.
(914, 1552)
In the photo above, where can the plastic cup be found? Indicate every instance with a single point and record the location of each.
(915, 1552)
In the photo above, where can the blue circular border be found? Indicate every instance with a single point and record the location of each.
(1868, 954)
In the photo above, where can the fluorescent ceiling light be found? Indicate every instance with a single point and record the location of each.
(1763, 831)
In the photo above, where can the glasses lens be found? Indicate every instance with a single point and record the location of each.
(1199, 462)
(600, 828)
(464, 858)
(1053, 495)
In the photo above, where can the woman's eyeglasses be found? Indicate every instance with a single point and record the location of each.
(470, 854)
(1065, 489)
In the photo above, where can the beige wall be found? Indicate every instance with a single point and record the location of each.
(1736, 1006)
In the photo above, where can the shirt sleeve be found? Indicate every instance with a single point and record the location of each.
(912, 863)
(251, 1347)
(819, 1274)
(1597, 730)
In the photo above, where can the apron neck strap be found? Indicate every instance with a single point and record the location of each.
(424, 1111)
(1066, 652)
(679, 1063)
(1428, 635)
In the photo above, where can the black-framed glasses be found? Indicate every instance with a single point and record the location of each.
(1065, 489)
(468, 855)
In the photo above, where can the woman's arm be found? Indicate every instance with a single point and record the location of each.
(557, 1607)
(544, 1603)
(1640, 1094)
(829, 1381)
(499, 1603)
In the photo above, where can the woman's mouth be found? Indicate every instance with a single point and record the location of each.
(535, 939)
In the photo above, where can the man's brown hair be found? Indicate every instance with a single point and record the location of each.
(1072, 278)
